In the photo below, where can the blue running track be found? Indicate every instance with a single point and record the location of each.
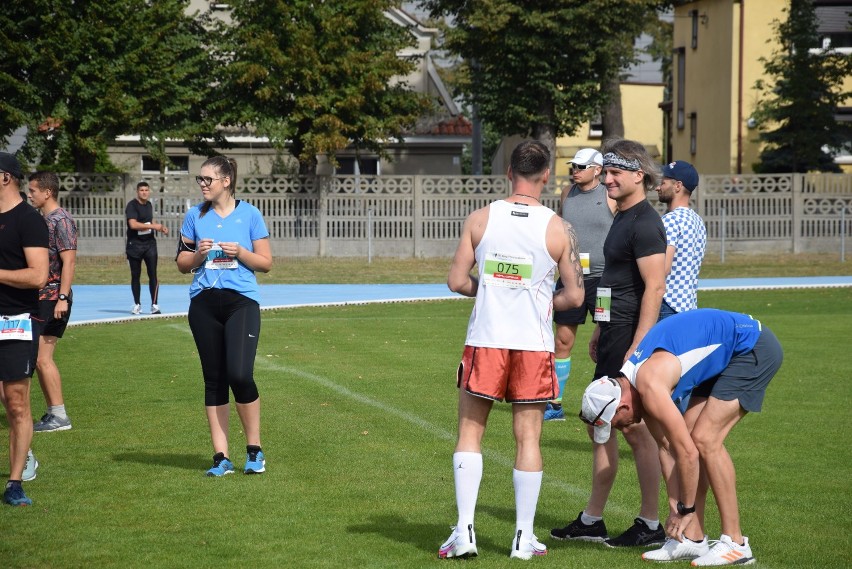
(112, 303)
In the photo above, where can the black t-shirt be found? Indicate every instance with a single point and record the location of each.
(22, 226)
(143, 213)
(635, 233)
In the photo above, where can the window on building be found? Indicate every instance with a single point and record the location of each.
(833, 26)
(176, 164)
(693, 14)
(693, 133)
(596, 126)
(363, 166)
(680, 53)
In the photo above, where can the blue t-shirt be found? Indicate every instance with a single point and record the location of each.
(244, 225)
(704, 340)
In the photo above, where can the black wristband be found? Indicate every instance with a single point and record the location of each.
(683, 510)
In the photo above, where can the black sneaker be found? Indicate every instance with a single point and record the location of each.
(579, 531)
(638, 535)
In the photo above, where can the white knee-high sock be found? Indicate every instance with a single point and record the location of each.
(527, 487)
(467, 473)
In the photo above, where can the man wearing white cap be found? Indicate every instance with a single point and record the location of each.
(590, 212)
(693, 377)
(686, 238)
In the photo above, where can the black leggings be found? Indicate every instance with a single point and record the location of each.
(226, 327)
(135, 255)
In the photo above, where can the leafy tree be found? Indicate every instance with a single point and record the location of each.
(318, 76)
(541, 68)
(97, 70)
(797, 109)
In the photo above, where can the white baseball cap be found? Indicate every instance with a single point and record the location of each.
(587, 156)
(600, 402)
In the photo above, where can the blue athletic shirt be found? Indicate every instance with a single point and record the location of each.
(704, 340)
(244, 225)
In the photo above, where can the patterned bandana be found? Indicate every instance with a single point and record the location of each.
(616, 161)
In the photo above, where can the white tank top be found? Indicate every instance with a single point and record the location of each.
(514, 301)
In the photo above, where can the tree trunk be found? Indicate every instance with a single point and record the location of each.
(84, 161)
(613, 119)
(545, 132)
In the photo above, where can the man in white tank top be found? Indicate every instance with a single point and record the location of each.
(516, 245)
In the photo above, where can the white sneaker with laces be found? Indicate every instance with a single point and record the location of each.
(137, 309)
(674, 550)
(726, 552)
(461, 543)
(526, 547)
(30, 467)
(155, 309)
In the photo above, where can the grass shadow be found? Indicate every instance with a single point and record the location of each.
(164, 459)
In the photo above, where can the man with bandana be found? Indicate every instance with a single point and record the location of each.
(629, 295)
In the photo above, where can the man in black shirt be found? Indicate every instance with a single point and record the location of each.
(23, 271)
(141, 245)
(629, 295)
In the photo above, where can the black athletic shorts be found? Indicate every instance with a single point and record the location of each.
(53, 326)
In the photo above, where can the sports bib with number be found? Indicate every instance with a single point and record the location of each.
(508, 271)
(585, 263)
(602, 304)
(217, 260)
(18, 327)
(144, 231)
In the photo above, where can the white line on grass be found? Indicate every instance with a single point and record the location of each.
(500, 459)
(444, 434)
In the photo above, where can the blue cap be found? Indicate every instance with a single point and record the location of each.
(683, 172)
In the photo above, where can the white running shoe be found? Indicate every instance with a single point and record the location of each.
(155, 309)
(461, 543)
(526, 548)
(674, 550)
(30, 467)
(137, 309)
(726, 552)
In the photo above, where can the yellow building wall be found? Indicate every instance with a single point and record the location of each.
(643, 121)
(719, 86)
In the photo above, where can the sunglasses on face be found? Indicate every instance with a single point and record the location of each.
(206, 180)
(582, 166)
(596, 422)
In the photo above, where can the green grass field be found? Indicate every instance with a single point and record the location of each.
(359, 420)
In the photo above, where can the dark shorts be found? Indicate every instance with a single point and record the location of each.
(141, 249)
(18, 357)
(747, 376)
(615, 340)
(53, 326)
(577, 316)
(666, 310)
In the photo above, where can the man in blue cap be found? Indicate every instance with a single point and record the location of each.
(686, 238)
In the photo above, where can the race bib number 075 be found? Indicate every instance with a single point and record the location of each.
(509, 271)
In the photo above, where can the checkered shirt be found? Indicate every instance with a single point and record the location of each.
(686, 233)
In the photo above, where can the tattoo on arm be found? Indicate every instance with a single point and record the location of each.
(573, 253)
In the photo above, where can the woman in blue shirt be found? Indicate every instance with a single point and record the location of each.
(223, 242)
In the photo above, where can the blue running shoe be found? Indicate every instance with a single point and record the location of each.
(14, 495)
(221, 466)
(554, 412)
(30, 467)
(255, 463)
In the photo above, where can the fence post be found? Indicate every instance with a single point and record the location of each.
(722, 231)
(842, 232)
(323, 183)
(369, 235)
(798, 198)
(417, 227)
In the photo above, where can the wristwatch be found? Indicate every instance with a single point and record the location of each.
(63, 297)
(683, 510)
